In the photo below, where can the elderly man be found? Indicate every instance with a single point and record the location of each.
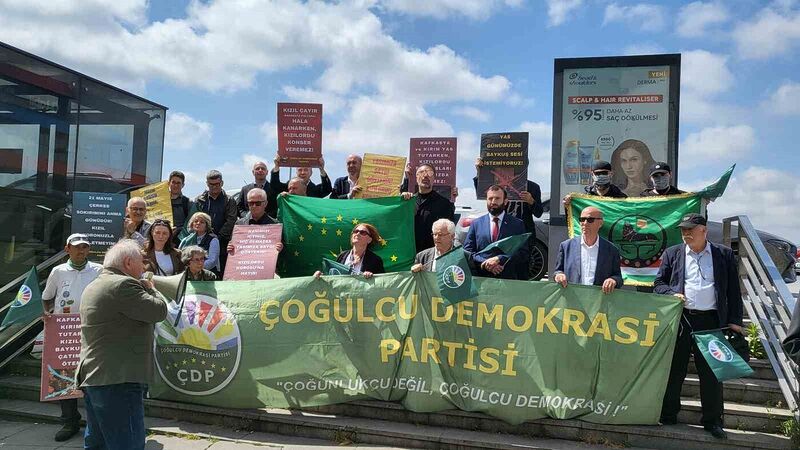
(303, 173)
(346, 187)
(221, 208)
(430, 207)
(62, 295)
(259, 181)
(589, 259)
(490, 228)
(257, 202)
(704, 276)
(118, 313)
(136, 227)
(661, 176)
(444, 235)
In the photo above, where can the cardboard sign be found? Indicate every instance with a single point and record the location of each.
(100, 217)
(505, 163)
(441, 153)
(60, 356)
(255, 255)
(299, 134)
(157, 197)
(381, 176)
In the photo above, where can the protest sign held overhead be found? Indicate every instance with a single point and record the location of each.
(381, 176)
(157, 198)
(299, 134)
(441, 154)
(504, 159)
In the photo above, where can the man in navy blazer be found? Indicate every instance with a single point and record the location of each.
(490, 228)
(345, 187)
(589, 259)
(705, 277)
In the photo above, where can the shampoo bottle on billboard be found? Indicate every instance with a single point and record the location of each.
(571, 162)
(586, 153)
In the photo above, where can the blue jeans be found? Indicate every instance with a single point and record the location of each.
(115, 417)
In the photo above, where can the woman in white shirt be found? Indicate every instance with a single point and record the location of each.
(161, 257)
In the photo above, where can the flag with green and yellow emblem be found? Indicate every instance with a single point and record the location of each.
(314, 228)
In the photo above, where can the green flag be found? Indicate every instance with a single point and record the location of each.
(721, 357)
(716, 189)
(506, 246)
(27, 305)
(453, 276)
(314, 228)
(330, 267)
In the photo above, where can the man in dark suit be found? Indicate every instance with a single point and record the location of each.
(705, 277)
(491, 228)
(345, 187)
(589, 259)
(304, 173)
(430, 207)
(444, 235)
(259, 181)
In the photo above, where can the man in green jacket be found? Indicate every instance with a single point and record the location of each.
(118, 311)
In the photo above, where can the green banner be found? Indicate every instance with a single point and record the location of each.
(27, 305)
(641, 228)
(314, 228)
(331, 267)
(518, 351)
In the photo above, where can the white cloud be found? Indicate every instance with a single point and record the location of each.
(540, 145)
(720, 143)
(440, 9)
(768, 210)
(470, 112)
(785, 100)
(772, 32)
(645, 48)
(704, 75)
(269, 134)
(696, 18)
(644, 16)
(183, 132)
(558, 11)
(331, 103)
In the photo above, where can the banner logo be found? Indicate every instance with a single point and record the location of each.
(23, 296)
(641, 240)
(720, 351)
(453, 277)
(201, 355)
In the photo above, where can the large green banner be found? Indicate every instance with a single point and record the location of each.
(518, 351)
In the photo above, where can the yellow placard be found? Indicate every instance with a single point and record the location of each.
(159, 204)
(381, 175)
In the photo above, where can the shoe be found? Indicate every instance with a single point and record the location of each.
(67, 431)
(664, 420)
(716, 431)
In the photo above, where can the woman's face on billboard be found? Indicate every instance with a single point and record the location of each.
(632, 163)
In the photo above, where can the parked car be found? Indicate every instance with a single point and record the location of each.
(784, 253)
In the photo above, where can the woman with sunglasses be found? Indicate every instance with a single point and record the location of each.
(360, 258)
(161, 257)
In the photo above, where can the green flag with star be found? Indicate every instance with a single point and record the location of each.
(315, 228)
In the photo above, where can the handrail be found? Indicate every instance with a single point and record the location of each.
(768, 302)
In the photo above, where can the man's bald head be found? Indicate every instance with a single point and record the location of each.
(591, 211)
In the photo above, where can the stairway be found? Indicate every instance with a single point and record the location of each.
(754, 412)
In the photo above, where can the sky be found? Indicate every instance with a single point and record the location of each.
(388, 70)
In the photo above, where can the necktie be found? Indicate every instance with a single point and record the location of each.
(495, 228)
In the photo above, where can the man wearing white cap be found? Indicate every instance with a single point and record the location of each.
(62, 295)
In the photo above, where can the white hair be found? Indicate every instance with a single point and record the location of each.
(451, 227)
(115, 256)
(257, 191)
(136, 200)
(188, 252)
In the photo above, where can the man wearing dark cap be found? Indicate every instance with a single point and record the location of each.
(703, 275)
(661, 176)
(601, 181)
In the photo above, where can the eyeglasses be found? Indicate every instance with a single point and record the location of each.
(601, 172)
(361, 232)
(425, 172)
(137, 208)
(589, 219)
(255, 203)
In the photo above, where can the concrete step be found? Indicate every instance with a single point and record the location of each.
(761, 367)
(753, 417)
(750, 391)
(245, 426)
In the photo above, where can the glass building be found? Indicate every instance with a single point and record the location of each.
(60, 132)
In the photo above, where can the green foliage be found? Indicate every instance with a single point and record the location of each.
(756, 349)
(791, 429)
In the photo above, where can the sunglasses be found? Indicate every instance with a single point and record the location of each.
(256, 203)
(589, 219)
(162, 222)
(361, 232)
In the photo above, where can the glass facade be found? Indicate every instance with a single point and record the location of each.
(61, 132)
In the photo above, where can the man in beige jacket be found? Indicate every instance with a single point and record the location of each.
(118, 312)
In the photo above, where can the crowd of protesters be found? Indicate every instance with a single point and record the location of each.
(119, 303)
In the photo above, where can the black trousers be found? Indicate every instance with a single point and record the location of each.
(69, 412)
(710, 388)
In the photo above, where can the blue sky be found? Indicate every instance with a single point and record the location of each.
(388, 70)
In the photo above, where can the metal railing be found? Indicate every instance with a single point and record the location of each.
(768, 303)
